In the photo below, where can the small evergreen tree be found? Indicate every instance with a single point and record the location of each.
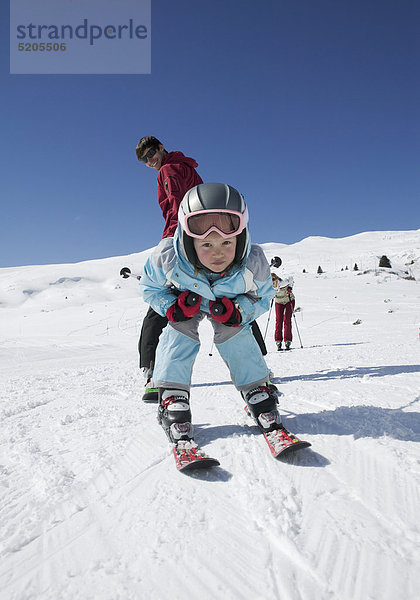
(347, 268)
(319, 270)
(355, 268)
(304, 271)
(384, 262)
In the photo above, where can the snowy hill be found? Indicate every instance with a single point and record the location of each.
(91, 505)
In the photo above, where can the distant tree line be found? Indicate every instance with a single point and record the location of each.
(383, 262)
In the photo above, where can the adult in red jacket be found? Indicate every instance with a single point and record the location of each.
(176, 175)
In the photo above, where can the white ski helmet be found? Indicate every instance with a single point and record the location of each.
(286, 281)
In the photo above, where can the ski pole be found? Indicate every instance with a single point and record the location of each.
(126, 273)
(268, 320)
(297, 329)
(211, 349)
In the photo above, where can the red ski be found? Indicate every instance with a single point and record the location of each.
(189, 456)
(279, 439)
(281, 442)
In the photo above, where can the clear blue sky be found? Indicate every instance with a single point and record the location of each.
(309, 108)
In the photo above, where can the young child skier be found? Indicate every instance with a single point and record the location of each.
(209, 269)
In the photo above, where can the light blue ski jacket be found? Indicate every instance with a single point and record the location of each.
(168, 270)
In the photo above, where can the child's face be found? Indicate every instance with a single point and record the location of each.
(215, 252)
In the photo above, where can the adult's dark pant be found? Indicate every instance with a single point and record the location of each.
(259, 338)
(153, 324)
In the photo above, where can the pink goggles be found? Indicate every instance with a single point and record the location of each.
(226, 223)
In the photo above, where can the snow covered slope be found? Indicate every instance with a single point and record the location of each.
(91, 506)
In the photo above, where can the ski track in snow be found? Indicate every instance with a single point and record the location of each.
(91, 505)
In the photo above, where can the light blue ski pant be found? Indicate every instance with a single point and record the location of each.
(179, 344)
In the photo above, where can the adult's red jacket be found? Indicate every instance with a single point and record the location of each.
(176, 176)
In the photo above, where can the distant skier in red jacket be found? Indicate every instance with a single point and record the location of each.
(285, 305)
(176, 175)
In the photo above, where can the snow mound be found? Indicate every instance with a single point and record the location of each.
(91, 504)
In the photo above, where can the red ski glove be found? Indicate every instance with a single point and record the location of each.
(224, 311)
(186, 306)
